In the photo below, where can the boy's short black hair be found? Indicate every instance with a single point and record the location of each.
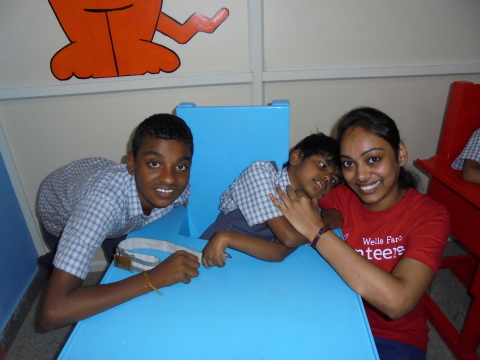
(319, 144)
(162, 126)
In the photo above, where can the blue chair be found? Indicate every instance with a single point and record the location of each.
(227, 140)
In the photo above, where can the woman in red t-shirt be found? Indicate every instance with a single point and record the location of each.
(393, 235)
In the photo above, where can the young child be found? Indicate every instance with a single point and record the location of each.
(469, 160)
(83, 203)
(393, 235)
(248, 220)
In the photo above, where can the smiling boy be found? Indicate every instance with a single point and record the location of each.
(249, 223)
(88, 201)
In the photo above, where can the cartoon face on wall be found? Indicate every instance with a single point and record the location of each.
(110, 38)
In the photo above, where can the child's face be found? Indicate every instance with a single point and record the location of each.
(162, 171)
(371, 168)
(313, 175)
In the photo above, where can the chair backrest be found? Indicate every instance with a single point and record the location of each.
(461, 118)
(226, 140)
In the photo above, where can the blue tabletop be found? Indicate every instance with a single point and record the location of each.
(250, 309)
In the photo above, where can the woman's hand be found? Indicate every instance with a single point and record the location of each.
(299, 210)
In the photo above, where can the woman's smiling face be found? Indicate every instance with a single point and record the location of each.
(371, 168)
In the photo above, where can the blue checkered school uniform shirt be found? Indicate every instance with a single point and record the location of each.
(87, 202)
(470, 152)
(249, 192)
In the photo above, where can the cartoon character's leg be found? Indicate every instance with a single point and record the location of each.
(195, 23)
(90, 52)
(132, 32)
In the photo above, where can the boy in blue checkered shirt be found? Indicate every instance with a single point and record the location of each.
(90, 200)
(249, 222)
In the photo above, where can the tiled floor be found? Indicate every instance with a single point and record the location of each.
(451, 296)
(32, 345)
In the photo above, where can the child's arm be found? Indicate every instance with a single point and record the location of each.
(471, 171)
(67, 301)
(291, 238)
(285, 232)
(263, 249)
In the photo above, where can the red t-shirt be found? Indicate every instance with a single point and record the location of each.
(416, 227)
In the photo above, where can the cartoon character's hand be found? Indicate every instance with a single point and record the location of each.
(182, 33)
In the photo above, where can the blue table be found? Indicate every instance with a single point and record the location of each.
(250, 309)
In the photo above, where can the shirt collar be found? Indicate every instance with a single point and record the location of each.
(283, 180)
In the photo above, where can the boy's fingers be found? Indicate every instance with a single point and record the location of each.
(208, 263)
(191, 273)
(205, 264)
(221, 263)
(216, 261)
(194, 263)
(205, 261)
(187, 254)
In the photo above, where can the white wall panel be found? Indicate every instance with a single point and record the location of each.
(318, 34)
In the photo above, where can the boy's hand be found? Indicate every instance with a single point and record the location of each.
(214, 251)
(181, 266)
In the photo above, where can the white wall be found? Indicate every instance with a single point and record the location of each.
(325, 57)
(350, 33)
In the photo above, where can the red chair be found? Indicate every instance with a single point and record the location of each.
(462, 199)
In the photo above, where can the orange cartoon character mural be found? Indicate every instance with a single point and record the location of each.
(111, 38)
